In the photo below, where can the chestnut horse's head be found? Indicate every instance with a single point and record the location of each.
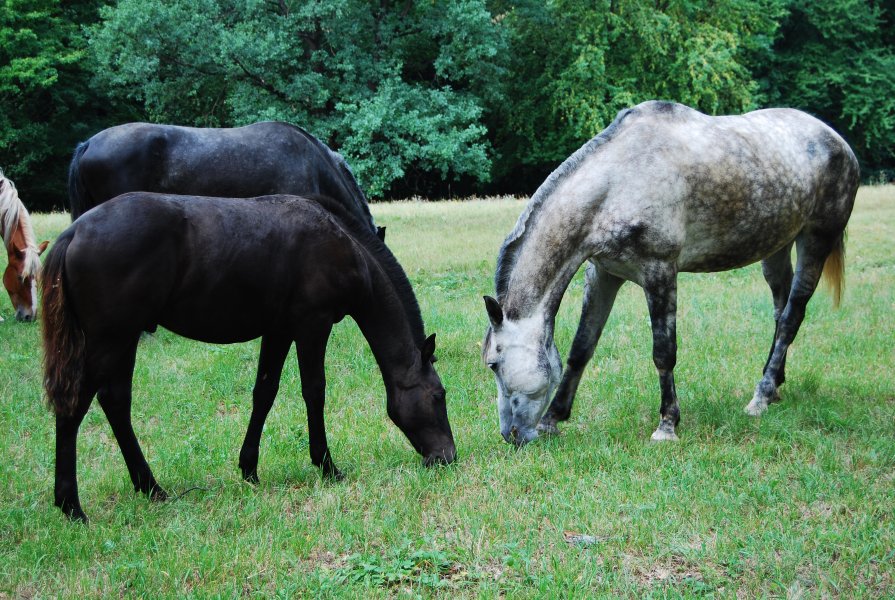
(24, 262)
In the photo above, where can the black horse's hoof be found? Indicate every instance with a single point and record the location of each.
(251, 477)
(157, 494)
(73, 511)
(331, 473)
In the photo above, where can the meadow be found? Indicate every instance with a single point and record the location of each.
(796, 503)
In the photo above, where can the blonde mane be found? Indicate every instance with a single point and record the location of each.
(12, 215)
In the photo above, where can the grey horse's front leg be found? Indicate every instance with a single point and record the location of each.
(600, 290)
(660, 286)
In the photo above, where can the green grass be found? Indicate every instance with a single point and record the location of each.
(796, 503)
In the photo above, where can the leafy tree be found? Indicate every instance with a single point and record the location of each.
(836, 60)
(44, 92)
(400, 88)
(576, 63)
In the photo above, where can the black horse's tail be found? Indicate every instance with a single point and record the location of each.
(78, 197)
(63, 339)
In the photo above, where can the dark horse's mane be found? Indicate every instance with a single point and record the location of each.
(380, 252)
(347, 175)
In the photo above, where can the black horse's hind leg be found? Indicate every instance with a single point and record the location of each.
(311, 348)
(660, 286)
(267, 382)
(115, 399)
(777, 270)
(66, 485)
(600, 289)
(812, 250)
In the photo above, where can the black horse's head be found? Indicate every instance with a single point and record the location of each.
(417, 406)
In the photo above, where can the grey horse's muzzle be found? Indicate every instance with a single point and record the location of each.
(518, 435)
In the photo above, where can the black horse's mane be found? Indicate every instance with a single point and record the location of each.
(380, 252)
(342, 166)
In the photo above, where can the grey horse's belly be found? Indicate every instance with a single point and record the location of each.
(738, 238)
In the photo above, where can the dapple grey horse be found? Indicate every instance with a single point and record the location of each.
(665, 189)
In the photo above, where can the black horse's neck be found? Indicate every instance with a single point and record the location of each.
(388, 314)
(386, 327)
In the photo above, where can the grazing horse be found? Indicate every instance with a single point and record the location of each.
(225, 270)
(665, 189)
(23, 253)
(241, 162)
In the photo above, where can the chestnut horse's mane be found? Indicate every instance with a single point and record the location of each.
(12, 216)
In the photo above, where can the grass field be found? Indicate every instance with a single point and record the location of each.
(797, 503)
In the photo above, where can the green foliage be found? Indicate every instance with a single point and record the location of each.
(400, 89)
(576, 65)
(432, 97)
(836, 60)
(46, 102)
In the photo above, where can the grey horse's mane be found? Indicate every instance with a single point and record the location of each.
(511, 245)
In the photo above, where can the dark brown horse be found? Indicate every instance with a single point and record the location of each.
(23, 252)
(223, 270)
(239, 162)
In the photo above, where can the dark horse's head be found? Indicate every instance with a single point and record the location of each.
(417, 406)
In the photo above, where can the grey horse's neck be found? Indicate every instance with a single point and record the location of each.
(541, 255)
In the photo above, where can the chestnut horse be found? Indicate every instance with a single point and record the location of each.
(225, 270)
(23, 253)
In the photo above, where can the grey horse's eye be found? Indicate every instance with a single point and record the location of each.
(492, 366)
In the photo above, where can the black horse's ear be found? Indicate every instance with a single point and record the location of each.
(428, 349)
(495, 312)
(380, 233)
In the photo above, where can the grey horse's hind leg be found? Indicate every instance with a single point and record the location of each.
(600, 289)
(812, 250)
(660, 286)
(777, 270)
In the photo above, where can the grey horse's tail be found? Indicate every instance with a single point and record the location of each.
(834, 269)
(63, 339)
(77, 193)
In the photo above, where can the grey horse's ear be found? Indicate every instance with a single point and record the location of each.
(495, 312)
(428, 349)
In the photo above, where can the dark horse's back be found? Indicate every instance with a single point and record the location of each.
(242, 162)
(210, 269)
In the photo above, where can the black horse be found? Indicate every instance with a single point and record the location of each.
(241, 162)
(224, 270)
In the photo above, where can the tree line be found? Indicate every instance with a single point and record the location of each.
(436, 97)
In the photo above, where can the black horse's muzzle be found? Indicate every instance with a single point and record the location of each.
(443, 457)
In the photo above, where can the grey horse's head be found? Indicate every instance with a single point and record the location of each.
(526, 367)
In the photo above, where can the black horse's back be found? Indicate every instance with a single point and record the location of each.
(243, 162)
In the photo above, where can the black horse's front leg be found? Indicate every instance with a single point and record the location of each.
(267, 382)
(311, 347)
(600, 290)
(660, 286)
